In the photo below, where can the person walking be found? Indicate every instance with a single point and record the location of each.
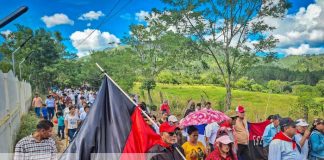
(60, 125)
(301, 137)
(50, 104)
(223, 149)
(165, 107)
(37, 104)
(71, 123)
(242, 134)
(210, 135)
(317, 140)
(167, 149)
(270, 131)
(38, 145)
(283, 146)
(194, 149)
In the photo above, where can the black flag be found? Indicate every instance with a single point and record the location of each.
(107, 126)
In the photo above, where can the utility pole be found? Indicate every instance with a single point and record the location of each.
(13, 54)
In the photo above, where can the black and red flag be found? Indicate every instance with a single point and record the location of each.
(255, 140)
(113, 126)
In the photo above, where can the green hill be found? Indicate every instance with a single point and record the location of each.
(258, 105)
(301, 63)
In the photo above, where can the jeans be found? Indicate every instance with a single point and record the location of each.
(314, 158)
(71, 133)
(243, 152)
(44, 113)
(37, 111)
(50, 111)
(60, 131)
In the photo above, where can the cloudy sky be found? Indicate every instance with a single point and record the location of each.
(301, 32)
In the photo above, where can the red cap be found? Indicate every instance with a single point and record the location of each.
(166, 127)
(240, 109)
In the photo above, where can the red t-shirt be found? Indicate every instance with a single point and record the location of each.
(165, 107)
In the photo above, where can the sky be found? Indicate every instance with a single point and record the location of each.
(301, 32)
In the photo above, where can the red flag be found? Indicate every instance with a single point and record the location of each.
(141, 138)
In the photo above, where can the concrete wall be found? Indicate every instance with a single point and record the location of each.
(15, 100)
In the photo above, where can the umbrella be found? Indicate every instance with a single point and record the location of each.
(203, 116)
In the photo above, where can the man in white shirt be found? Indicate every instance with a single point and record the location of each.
(301, 138)
(283, 146)
(210, 135)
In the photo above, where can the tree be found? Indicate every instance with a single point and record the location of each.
(320, 87)
(156, 49)
(305, 102)
(244, 83)
(232, 32)
(45, 47)
(277, 86)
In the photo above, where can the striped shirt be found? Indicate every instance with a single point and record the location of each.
(29, 149)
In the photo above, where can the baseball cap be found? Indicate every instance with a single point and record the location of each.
(166, 127)
(301, 122)
(286, 122)
(276, 116)
(240, 109)
(225, 139)
(172, 118)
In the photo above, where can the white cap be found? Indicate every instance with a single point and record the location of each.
(302, 122)
(172, 118)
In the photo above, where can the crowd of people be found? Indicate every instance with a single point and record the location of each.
(283, 138)
(70, 106)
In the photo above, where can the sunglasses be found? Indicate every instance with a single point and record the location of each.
(172, 133)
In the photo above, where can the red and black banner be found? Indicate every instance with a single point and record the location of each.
(255, 140)
(114, 125)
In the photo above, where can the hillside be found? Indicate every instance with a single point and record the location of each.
(301, 63)
(258, 105)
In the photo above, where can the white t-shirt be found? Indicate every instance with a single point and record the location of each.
(211, 132)
(72, 121)
(83, 115)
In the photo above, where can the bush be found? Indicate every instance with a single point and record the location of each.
(320, 87)
(305, 90)
(28, 125)
(244, 83)
(256, 87)
(277, 86)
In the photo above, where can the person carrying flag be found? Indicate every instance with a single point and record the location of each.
(167, 149)
(283, 146)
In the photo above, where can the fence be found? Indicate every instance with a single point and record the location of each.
(15, 100)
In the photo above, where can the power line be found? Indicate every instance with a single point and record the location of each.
(106, 19)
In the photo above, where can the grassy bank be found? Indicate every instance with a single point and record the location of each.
(28, 125)
(258, 105)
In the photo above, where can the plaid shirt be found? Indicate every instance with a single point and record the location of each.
(29, 149)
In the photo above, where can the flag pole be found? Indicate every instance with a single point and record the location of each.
(148, 117)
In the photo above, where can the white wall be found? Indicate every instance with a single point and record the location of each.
(15, 100)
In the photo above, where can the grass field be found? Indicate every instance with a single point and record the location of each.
(258, 105)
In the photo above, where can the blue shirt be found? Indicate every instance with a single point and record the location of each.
(50, 102)
(282, 150)
(269, 132)
(60, 121)
(316, 144)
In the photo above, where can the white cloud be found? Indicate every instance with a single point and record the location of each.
(303, 49)
(91, 15)
(97, 41)
(141, 16)
(88, 24)
(6, 32)
(56, 19)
